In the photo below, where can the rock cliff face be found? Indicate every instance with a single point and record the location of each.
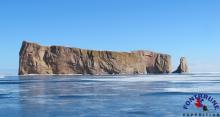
(37, 59)
(183, 67)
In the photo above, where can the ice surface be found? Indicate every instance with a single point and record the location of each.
(107, 95)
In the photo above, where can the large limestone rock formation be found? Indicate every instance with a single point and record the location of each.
(37, 59)
(183, 67)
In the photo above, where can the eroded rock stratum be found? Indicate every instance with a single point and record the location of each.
(37, 59)
(183, 66)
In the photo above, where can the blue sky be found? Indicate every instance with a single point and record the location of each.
(189, 28)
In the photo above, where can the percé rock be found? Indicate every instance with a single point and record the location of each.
(183, 67)
(37, 59)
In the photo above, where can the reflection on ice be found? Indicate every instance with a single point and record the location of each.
(56, 95)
